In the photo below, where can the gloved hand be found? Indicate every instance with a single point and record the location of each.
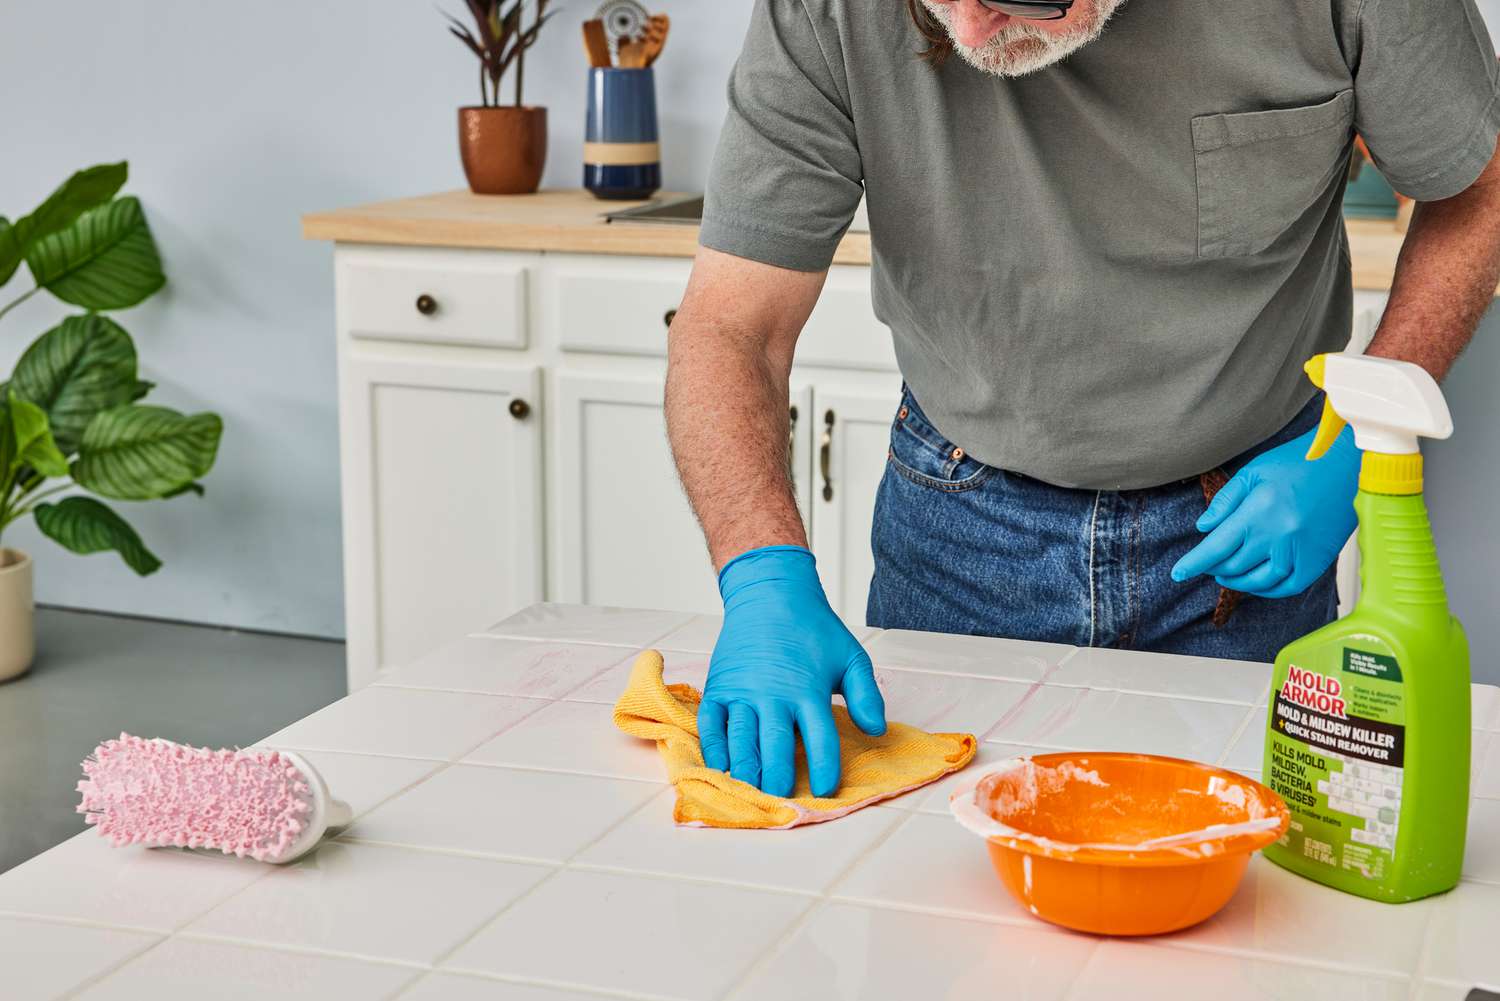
(1280, 522)
(781, 657)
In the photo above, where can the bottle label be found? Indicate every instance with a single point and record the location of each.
(1336, 755)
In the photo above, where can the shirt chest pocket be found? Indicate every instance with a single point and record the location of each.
(1259, 171)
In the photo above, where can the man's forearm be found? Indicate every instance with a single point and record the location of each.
(726, 406)
(728, 424)
(1445, 277)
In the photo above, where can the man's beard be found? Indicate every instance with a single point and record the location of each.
(1021, 47)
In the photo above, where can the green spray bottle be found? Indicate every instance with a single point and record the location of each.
(1369, 726)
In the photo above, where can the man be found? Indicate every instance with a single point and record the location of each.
(1103, 274)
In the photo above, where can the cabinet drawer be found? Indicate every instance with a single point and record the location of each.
(433, 296)
(620, 305)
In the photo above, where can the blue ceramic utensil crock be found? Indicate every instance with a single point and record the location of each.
(621, 148)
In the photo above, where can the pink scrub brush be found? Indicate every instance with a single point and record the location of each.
(270, 805)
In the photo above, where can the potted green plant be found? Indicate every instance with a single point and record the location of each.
(71, 420)
(503, 147)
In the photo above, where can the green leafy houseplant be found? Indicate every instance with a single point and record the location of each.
(70, 411)
(499, 41)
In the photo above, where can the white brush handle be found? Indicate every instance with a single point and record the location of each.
(327, 812)
(339, 814)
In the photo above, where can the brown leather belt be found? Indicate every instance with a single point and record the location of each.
(1212, 482)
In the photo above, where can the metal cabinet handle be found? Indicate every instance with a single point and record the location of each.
(791, 448)
(520, 409)
(669, 317)
(426, 304)
(825, 456)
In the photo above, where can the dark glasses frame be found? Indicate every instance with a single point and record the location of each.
(1035, 10)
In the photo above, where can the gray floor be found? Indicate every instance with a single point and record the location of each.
(98, 675)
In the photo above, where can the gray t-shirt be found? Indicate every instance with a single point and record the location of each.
(1106, 274)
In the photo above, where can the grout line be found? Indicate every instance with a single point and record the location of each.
(1046, 680)
(542, 769)
(592, 990)
(696, 880)
(58, 919)
(399, 792)
(110, 970)
(1072, 652)
(900, 821)
(1169, 696)
(821, 903)
(1016, 711)
(763, 959)
(1234, 738)
(437, 963)
(300, 950)
(354, 840)
(1477, 881)
(308, 749)
(1008, 921)
(907, 669)
(1279, 957)
(542, 703)
(460, 691)
(1424, 953)
(403, 988)
(1070, 990)
(176, 930)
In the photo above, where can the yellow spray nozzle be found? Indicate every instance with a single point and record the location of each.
(1315, 368)
(1331, 425)
(1329, 428)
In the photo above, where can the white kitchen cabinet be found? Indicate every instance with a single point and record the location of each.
(625, 532)
(1368, 308)
(442, 481)
(852, 430)
(459, 509)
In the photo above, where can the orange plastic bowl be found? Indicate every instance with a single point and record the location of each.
(1120, 844)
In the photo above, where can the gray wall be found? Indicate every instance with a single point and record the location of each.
(1463, 491)
(237, 118)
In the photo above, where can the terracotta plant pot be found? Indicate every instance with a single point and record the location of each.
(504, 149)
(17, 628)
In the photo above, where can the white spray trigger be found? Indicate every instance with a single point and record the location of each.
(1390, 403)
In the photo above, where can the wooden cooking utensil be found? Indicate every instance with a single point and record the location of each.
(656, 37)
(596, 43)
(632, 54)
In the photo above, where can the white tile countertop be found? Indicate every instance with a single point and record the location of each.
(510, 843)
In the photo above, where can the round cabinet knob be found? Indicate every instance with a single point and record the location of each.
(426, 304)
(520, 409)
(671, 315)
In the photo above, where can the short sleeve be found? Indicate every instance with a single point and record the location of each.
(786, 175)
(1425, 88)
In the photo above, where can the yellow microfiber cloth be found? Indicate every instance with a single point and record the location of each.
(874, 768)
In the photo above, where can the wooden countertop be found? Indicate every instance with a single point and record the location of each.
(572, 221)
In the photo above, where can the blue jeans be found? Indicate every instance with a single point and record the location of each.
(962, 547)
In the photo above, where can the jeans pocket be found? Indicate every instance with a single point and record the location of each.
(921, 454)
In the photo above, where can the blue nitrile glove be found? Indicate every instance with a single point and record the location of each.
(1280, 522)
(781, 657)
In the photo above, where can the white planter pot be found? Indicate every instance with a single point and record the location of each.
(17, 627)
